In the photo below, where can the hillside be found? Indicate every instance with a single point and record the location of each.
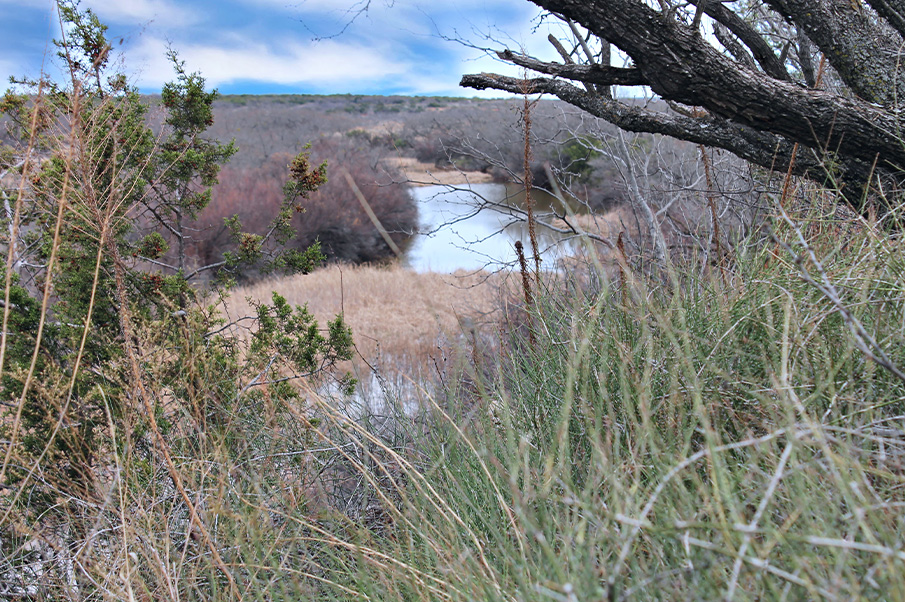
(702, 399)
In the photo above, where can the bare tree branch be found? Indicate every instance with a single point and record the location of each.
(733, 46)
(592, 73)
(855, 136)
(761, 148)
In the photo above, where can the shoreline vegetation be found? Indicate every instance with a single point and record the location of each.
(388, 145)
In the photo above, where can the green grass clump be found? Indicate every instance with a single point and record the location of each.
(718, 439)
(735, 436)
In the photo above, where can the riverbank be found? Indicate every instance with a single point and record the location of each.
(397, 314)
(428, 174)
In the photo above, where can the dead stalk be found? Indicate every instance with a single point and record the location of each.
(716, 231)
(624, 267)
(527, 289)
(45, 301)
(527, 175)
(129, 343)
(11, 259)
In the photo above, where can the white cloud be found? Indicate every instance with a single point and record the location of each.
(315, 64)
(19, 66)
(8, 68)
(399, 46)
(396, 46)
(136, 12)
(395, 17)
(320, 6)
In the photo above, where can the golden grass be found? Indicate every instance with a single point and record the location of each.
(395, 313)
(428, 174)
(410, 326)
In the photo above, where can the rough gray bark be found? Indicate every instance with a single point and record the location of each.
(864, 51)
(892, 11)
(854, 135)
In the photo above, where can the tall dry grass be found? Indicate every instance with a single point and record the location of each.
(737, 438)
(408, 326)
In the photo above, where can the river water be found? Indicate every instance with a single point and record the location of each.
(460, 228)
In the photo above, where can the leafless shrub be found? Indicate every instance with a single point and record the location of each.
(332, 216)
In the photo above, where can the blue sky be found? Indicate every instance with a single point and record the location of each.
(291, 46)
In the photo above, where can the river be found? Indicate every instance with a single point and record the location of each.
(461, 229)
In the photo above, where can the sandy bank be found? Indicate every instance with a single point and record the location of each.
(427, 174)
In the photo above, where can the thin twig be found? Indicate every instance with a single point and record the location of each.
(862, 338)
(747, 536)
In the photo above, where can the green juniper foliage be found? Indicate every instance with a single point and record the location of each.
(182, 171)
(106, 213)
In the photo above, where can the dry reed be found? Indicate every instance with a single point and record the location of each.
(394, 312)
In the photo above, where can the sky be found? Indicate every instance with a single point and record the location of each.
(410, 47)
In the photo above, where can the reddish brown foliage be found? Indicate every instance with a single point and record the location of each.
(332, 215)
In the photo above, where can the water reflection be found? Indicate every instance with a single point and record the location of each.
(469, 228)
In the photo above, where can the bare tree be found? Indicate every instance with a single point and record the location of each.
(752, 88)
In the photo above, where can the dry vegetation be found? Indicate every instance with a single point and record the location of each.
(725, 424)
(418, 173)
(401, 319)
(385, 143)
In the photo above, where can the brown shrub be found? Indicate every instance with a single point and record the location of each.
(333, 215)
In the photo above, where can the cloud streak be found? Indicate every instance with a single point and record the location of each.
(328, 63)
(395, 47)
(137, 12)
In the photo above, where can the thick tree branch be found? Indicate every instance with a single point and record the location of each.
(852, 137)
(892, 11)
(762, 148)
(863, 51)
(678, 64)
(591, 73)
(745, 32)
